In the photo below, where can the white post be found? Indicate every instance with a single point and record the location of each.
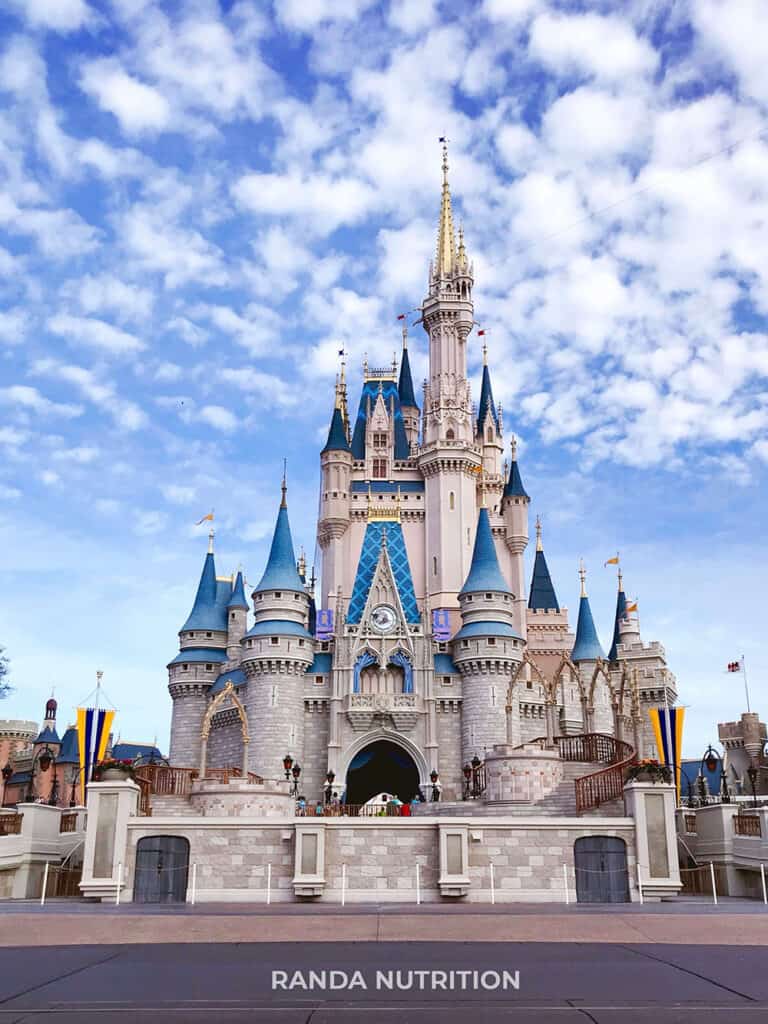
(493, 885)
(194, 884)
(640, 884)
(765, 892)
(714, 885)
(45, 884)
(269, 884)
(343, 884)
(119, 884)
(418, 886)
(565, 884)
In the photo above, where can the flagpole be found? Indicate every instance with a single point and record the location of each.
(746, 685)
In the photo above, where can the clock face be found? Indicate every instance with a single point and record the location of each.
(383, 618)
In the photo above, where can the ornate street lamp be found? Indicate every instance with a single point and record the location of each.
(44, 759)
(467, 773)
(329, 777)
(7, 772)
(752, 773)
(296, 772)
(433, 778)
(287, 762)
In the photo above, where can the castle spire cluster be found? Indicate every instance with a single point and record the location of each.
(426, 635)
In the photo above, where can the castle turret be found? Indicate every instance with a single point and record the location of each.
(487, 649)
(336, 469)
(277, 650)
(514, 509)
(586, 654)
(48, 736)
(407, 396)
(488, 431)
(203, 643)
(237, 620)
(621, 610)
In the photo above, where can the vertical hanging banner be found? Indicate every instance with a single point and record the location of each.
(667, 724)
(93, 728)
(441, 625)
(324, 624)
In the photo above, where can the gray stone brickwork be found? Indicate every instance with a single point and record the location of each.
(314, 764)
(448, 720)
(189, 704)
(276, 717)
(225, 742)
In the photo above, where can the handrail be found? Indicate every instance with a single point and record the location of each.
(607, 784)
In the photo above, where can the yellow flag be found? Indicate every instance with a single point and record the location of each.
(612, 561)
(631, 608)
(205, 519)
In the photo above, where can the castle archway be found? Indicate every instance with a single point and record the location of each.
(381, 767)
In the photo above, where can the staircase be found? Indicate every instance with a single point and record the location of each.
(171, 806)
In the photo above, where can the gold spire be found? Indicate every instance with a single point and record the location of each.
(461, 256)
(284, 485)
(583, 577)
(446, 241)
(539, 546)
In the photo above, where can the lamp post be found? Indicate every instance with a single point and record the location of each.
(287, 762)
(710, 760)
(296, 772)
(434, 778)
(43, 760)
(330, 776)
(467, 773)
(752, 773)
(6, 773)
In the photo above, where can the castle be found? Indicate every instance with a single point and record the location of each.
(424, 646)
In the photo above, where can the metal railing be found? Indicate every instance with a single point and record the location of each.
(167, 781)
(607, 784)
(10, 824)
(747, 825)
(68, 822)
(353, 811)
(592, 746)
(689, 823)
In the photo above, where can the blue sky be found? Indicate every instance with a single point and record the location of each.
(201, 201)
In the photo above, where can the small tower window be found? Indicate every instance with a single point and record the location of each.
(380, 469)
(379, 440)
(274, 640)
(278, 593)
(489, 434)
(449, 434)
(232, 616)
(190, 635)
(185, 668)
(319, 681)
(301, 643)
(491, 641)
(208, 667)
(451, 501)
(434, 565)
(447, 681)
(209, 634)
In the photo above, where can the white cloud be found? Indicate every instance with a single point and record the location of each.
(138, 107)
(412, 16)
(272, 390)
(94, 333)
(179, 495)
(592, 124)
(145, 524)
(100, 293)
(736, 32)
(126, 414)
(49, 478)
(9, 493)
(306, 15)
(157, 242)
(24, 397)
(13, 326)
(219, 418)
(511, 11)
(83, 455)
(606, 47)
(59, 15)
(321, 201)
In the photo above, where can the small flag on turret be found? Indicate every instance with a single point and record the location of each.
(205, 519)
(481, 333)
(401, 316)
(612, 561)
(630, 608)
(734, 666)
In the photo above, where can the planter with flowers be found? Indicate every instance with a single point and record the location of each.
(649, 770)
(113, 771)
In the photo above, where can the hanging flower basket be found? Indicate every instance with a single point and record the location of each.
(113, 771)
(649, 770)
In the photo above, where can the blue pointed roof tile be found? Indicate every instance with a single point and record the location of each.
(484, 572)
(69, 753)
(337, 435)
(207, 611)
(237, 598)
(486, 402)
(405, 384)
(514, 485)
(542, 595)
(47, 735)
(587, 646)
(621, 609)
(281, 572)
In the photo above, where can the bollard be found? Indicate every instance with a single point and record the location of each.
(269, 884)
(45, 884)
(640, 885)
(565, 884)
(343, 884)
(194, 884)
(119, 884)
(714, 884)
(418, 886)
(765, 893)
(493, 885)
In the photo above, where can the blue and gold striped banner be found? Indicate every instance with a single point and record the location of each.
(93, 728)
(667, 724)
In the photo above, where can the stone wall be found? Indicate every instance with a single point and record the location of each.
(314, 763)
(527, 854)
(448, 720)
(225, 742)
(526, 775)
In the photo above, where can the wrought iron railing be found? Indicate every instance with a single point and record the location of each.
(10, 824)
(591, 746)
(747, 825)
(607, 784)
(389, 810)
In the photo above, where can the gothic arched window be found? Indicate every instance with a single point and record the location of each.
(450, 434)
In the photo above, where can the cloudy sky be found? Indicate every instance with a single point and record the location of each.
(201, 201)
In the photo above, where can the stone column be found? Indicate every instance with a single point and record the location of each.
(110, 805)
(652, 805)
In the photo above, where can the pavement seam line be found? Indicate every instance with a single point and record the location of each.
(60, 977)
(695, 974)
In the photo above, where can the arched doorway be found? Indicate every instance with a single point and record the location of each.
(162, 866)
(381, 767)
(601, 869)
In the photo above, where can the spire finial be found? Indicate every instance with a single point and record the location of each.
(513, 446)
(485, 353)
(284, 485)
(539, 546)
(405, 336)
(621, 579)
(446, 241)
(211, 534)
(583, 577)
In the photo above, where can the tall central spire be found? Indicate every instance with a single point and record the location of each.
(446, 240)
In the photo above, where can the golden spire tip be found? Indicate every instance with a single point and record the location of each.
(284, 485)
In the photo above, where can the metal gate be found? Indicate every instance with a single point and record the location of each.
(162, 866)
(601, 870)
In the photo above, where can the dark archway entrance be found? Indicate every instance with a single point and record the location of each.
(601, 870)
(162, 865)
(381, 767)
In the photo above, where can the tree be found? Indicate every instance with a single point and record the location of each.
(5, 668)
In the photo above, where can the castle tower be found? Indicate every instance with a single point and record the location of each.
(621, 610)
(586, 654)
(487, 649)
(237, 620)
(449, 457)
(514, 509)
(203, 651)
(277, 651)
(336, 472)
(488, 431)
(407, 396)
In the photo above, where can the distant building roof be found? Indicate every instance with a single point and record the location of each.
(237, 598)
(542, 594)
(322, 664)
(47, 735)
(69, 753)
(130, 751)
(209, 612)
(486, 402)
(337, 435)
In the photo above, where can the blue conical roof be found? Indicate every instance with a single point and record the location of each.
(486, 402)
(542, 594)
(47, 735)
(621, 611)
(69, 753)
(587, 646)
(237, 599)
(281, 572)
(337, 435)
(405, 384)
(514, 485)
(484, 573)
(208, 611)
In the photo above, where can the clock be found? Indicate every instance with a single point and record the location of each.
(383, 618)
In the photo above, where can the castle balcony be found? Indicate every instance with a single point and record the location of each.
(364, 710)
